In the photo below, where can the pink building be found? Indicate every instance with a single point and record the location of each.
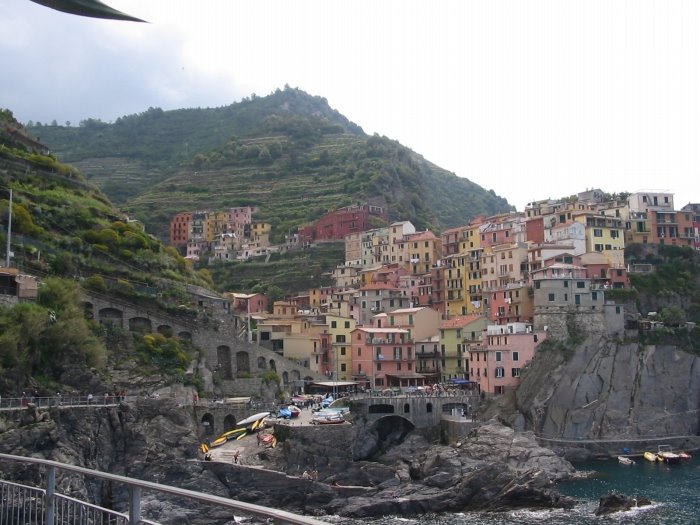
(505, 350)
(383, 357)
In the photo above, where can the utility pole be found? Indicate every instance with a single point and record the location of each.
(9, 231)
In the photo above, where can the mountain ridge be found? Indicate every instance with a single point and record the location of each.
(262, 152)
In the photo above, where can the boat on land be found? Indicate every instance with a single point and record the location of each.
(626, 461)
(650, 456)
(253, 418)
(328, 419)
(218, 441)
(235, 433)
(667, 455)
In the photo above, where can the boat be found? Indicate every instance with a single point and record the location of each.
(218, 441)
(667, 455)
(233, 434)
(650, 456)
(253, 418)
(685, 456)
(295, 410)
(327, 419)
(626, 461)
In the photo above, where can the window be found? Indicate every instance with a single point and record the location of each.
(566, 284)
(398, 367)
(598, 247)
(342, 351)
(379, 367)
(577, 299)
(580, 284)
(537, 285)
(515, 372)
(333, 324)
(500, 371)
(499, 356)
(347, 324)
(342, 367)
(516, 356)
(340, 338)
(597, 232)
(551, 297)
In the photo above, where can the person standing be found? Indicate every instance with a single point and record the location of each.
(89, 398)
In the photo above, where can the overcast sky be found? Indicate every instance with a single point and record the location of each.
(533, 99)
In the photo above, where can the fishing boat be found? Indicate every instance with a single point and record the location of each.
(667, 455)
(685, 456)
(650, 456)
(625, 460)
(218, 441)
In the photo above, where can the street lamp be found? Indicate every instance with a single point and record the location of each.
(9, 229)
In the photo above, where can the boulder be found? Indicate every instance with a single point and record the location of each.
(617, 502)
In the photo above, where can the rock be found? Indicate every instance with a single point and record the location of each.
(616, 502)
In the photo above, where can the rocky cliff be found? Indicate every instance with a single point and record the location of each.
(156, 440)
(604, 389)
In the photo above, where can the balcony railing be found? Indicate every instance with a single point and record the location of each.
(23, 504)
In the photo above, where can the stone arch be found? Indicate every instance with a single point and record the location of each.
(229, 422)
(285, 377)
(165, 329)
(223, 361)
(296, 376)
(429, 408)
(111, 316)
(385, 432)
(185, 336)
(140, 324)
(242, 362)
(262, 363)
(208, 424)
(406, 408)
(273, 365)
(88, 309)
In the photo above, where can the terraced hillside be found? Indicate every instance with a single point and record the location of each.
(288, 154)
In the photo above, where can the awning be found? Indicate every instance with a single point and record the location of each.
(460, 381)
(335, 383)
(406, 376)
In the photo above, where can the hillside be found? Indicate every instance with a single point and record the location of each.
(288, 154)
(66, 231)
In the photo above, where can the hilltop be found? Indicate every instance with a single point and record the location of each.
(289, 155)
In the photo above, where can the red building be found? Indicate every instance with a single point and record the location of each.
(335, 225)
(180, 229)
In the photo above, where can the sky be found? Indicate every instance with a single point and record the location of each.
(530, 99)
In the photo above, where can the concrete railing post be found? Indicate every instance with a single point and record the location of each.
(50, 496)
(134, 505)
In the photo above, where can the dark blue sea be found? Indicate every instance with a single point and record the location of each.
(673, 489)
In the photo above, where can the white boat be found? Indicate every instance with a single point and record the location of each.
(666, 455)
(625, 461)
(252, 419)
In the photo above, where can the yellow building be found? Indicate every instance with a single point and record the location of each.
(340, 358)
(604, 234)
(458, 336)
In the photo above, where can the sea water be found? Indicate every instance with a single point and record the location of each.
(673, 489)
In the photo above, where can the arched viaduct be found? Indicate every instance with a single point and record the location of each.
(421, 411)
(233, 360)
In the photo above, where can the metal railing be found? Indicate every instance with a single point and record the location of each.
(27, 505)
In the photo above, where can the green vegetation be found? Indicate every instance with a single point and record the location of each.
(292, 273)
(159, 352)
(48, 338)
(289, 155)
(675, 278)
